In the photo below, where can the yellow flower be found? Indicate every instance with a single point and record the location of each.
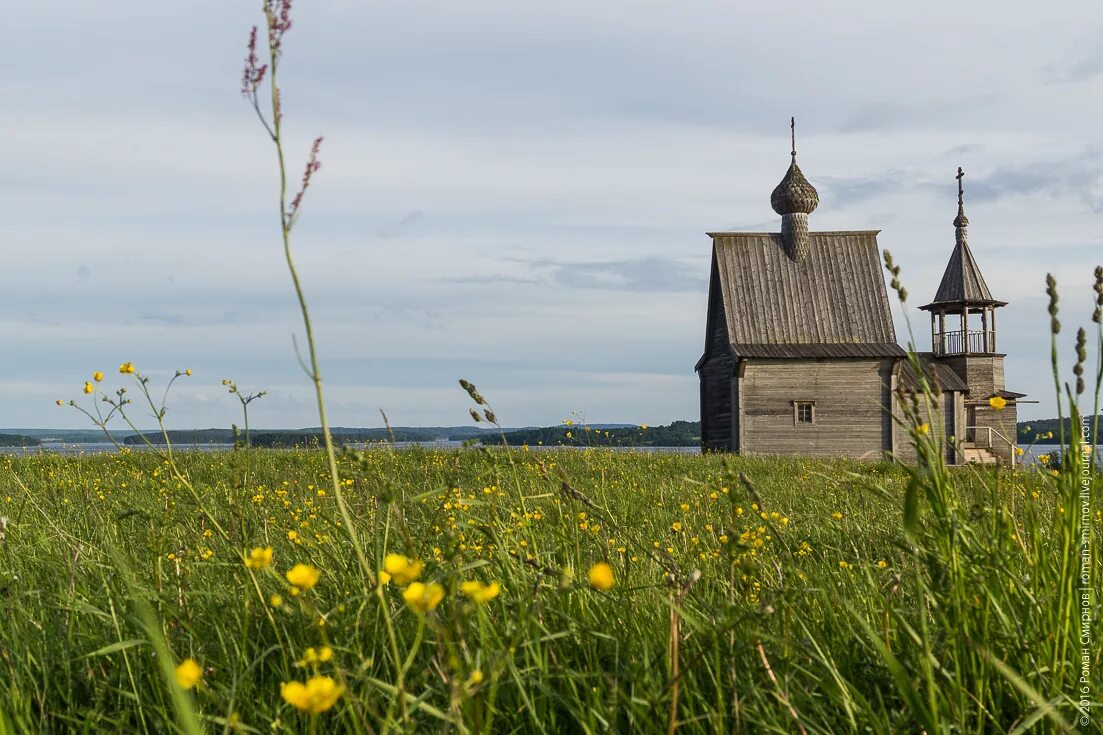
(275, 601)
(844, 565)
(600, 576)
(480, 593)
(188, 372)
(97, 376)
(923, 428)
(60, 402)
(303, 576)
(259, 558)
(292, 535)
(475, 679)
(676, 526)
(423, 597)
(88, 387)
(317, 695)
(126, 368)
(402, 569)
(315, 656)
(1019, 451)
(188, 673)
(997, 403)
(882, 564)
(384, 578)
(837, 516)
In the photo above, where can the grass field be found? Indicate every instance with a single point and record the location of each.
(798, 603)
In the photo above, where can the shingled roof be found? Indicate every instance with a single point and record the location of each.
(962, 282)
(831, 303)
(938, 374)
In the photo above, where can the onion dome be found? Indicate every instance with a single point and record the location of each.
(794, 195)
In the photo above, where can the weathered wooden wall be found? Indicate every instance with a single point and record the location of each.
(1002, 421)
(715, 375)
(985, 376)
(983, 373)
(849, 395)
(947, 418)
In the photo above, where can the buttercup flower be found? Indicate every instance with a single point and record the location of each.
(997, 402)
(259, 558)
(97, 376)
(402, 569)
(303, 576)
(314, 656)
(601, 577)
(88, 387)
(480, 593)
(126, 368)
(423, 597)
(188, 673)
(317, 695)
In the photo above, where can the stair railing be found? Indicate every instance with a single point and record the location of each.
(990, 432)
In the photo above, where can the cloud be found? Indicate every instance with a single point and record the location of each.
(1078, 177)
(651, 274)
(504, 185)
(1088, 66)
(848, 192)
(403, 224)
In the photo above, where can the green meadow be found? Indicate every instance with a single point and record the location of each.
(747, 595)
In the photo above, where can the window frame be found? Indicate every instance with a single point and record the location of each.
(797, 406)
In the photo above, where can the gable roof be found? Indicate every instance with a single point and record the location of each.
(962, 282)
(831, 303)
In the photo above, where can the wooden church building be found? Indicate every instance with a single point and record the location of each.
(801, 354)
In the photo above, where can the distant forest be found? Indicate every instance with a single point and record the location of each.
(1045, 431)
(309, 437)
(676, 434)
(12, 440)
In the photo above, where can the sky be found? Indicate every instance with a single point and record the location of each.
(512, 193)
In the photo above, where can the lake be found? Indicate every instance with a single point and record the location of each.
(75, 449)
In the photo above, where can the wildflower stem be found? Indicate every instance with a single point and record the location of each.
(286, 223)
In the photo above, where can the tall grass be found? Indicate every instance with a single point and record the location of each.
(826, 617)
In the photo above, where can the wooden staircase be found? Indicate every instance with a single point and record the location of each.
(973, 454)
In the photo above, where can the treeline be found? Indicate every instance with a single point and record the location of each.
(14, 440)
(1047, 431)
(675, 434)
(305, 437)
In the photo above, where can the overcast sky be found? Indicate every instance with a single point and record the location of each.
(514, 193)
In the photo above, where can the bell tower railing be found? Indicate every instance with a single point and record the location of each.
(961, 342)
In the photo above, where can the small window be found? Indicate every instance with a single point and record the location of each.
(804, 412)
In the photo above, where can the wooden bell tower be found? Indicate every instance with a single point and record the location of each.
(963, 336)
